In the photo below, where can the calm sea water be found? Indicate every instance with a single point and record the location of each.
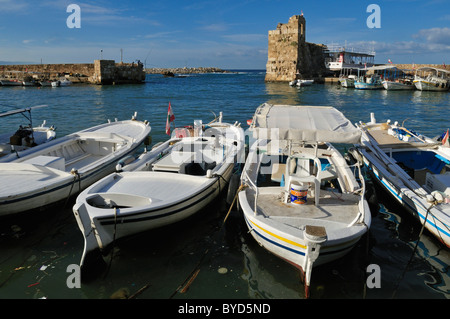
(35, 250)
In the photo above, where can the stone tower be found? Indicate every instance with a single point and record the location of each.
(289, 55)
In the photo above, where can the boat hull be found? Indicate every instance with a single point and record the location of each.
(423, 85)
(417, 206)
(170, 183)
(54, 176)
(397, 86)
(347, 83)
(368, 86)
(100, 231)
(419, 182)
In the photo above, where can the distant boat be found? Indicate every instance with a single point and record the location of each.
(304, 82)
(368, 82)
(45, 83)
(28, 83)
(432, 79)
(61, 82)
(395, 78)
(11, 82)
(347, 77)
(398, 85)
(65, 82)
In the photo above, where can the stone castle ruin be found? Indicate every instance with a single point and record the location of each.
(290, 57)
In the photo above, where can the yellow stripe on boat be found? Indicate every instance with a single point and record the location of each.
(278, 237)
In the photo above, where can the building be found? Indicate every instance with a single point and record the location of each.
(290, 57)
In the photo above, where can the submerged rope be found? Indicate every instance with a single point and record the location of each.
(113, 242)
(414, 250)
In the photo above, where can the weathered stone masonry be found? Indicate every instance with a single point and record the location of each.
(99, 72)
(290, 56)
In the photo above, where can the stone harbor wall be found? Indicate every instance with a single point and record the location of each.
(99, 72)
(110, 72)
(290, 56)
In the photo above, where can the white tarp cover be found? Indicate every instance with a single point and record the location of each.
(303, 123)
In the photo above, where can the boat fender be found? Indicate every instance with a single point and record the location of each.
(124, 161)
(438, 196)
(430, 199)
(209, 173)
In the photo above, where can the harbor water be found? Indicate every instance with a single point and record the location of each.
(205, 256)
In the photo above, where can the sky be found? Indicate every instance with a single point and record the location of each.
(228, 34)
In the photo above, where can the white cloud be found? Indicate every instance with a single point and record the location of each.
(435, 36)
(12, 6)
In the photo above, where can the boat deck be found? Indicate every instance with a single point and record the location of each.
(385, 140)
(333, 207)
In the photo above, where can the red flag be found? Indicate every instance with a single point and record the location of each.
(170, 118)
(445, 139)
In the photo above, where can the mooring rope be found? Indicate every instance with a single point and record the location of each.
(414, 250)
(113, 242)
(76, 176)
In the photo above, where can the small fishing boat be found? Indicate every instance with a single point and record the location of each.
(368, 79)
(5, 82)
(45, 83)
(304, 82)
(398, 85)
(26, 136)
(300, 199)
(54, 171)
(395, 79)
(65, 82)
(413, 168)
(347, 76)
(432, 79)
(348, 82)
(171, 182)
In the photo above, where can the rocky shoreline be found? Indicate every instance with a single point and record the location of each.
(185, 70)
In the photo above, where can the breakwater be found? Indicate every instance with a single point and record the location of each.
(99, 72)
(185, 70)
(411, 68)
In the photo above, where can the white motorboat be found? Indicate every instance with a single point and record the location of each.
(165, 185)
(26, 136)
(45, 83)
(304, 82)
(300, 199)
(61, 82)
(398, 85)
(432, 79)
(6, 82)
(347, 77)
(54, 171)
(65, 82)
(348, 82)
(395, 79)
(413, 168)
